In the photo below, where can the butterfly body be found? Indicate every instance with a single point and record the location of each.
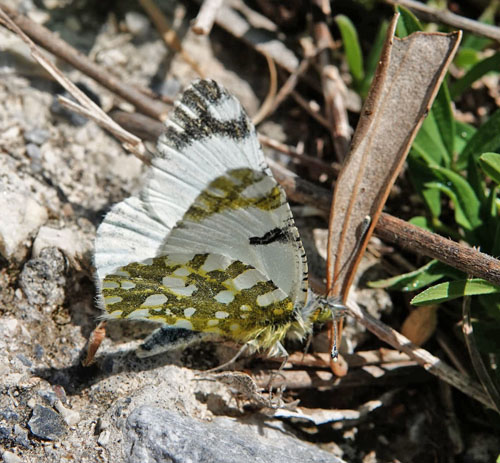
(209, 245)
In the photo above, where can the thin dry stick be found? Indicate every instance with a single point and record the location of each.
(443, 16)
(289, 85)
(334, 90)
(307, 107)
(168, 35)
(304, 159)
(204, 22)
(432, 364)
(273, 87)
(61, 49)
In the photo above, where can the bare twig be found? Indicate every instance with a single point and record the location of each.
(288, 86)
(61, 49)
(446, 17)
(168, 35)
(266, 106)
(431, 363)
(203, 23)
(304, 159)
(334, 90)
(310, 110)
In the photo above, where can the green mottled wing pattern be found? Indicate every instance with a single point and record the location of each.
(201, 292)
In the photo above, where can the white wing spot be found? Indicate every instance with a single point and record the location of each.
(247, 279)
(115, 314)
(139, 313)
(187, 291)
(182, 272)
(212, 322)
(128, 285)
(245, 308)
(269, 298)
(186, 324)
(112, 300)
(110, 285)
(234, 327)
(221, 314)
(122, 273)
(189, 312)
(154, 300)
(173, 282)
(224, 297)
(244, 315)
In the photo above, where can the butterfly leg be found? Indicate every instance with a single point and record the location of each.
(167, 338)
(279, 351)
(243, 348)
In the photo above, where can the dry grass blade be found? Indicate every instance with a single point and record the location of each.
(266, 107)
(406, 81)
(86, 106)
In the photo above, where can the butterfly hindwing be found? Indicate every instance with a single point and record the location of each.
(201, 292)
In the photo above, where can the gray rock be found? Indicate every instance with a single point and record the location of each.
(158, 435)
(10, 457)
(46, 423)
(37, 136)
(42, 279)
(20, 436)
(18, 224)
(137, 24)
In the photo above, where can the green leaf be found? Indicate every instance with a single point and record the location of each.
(351, 46)
(465, 199)
(429, 144)
(413, 281)
(407, 23)
(463, 133)
(466, 57)
(486, 139)
(490, 164)
(422, 222)
(476, 72)
(443, 115)
(453, 290)
(420, 175)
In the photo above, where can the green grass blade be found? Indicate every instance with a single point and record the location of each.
(490, 164)
(351, 47)
(454, 289)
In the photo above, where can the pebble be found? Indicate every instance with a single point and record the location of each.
(137, 24)
(71, 417)
(37, 136)
(18, 224)
(9, 457)
(46, 423)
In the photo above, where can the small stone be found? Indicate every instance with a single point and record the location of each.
(64, 239)
(22, 216)
(21, 436)
(33, 152)
(37, 136)
(9, 457)
(38, 351)
(31, 403)
(71, 417)
(49, 396)
(137, 24)
(45, 423)
(24, 360)
(103, 438)
(42, 279)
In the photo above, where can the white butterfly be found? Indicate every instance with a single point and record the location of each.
(209, 247)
